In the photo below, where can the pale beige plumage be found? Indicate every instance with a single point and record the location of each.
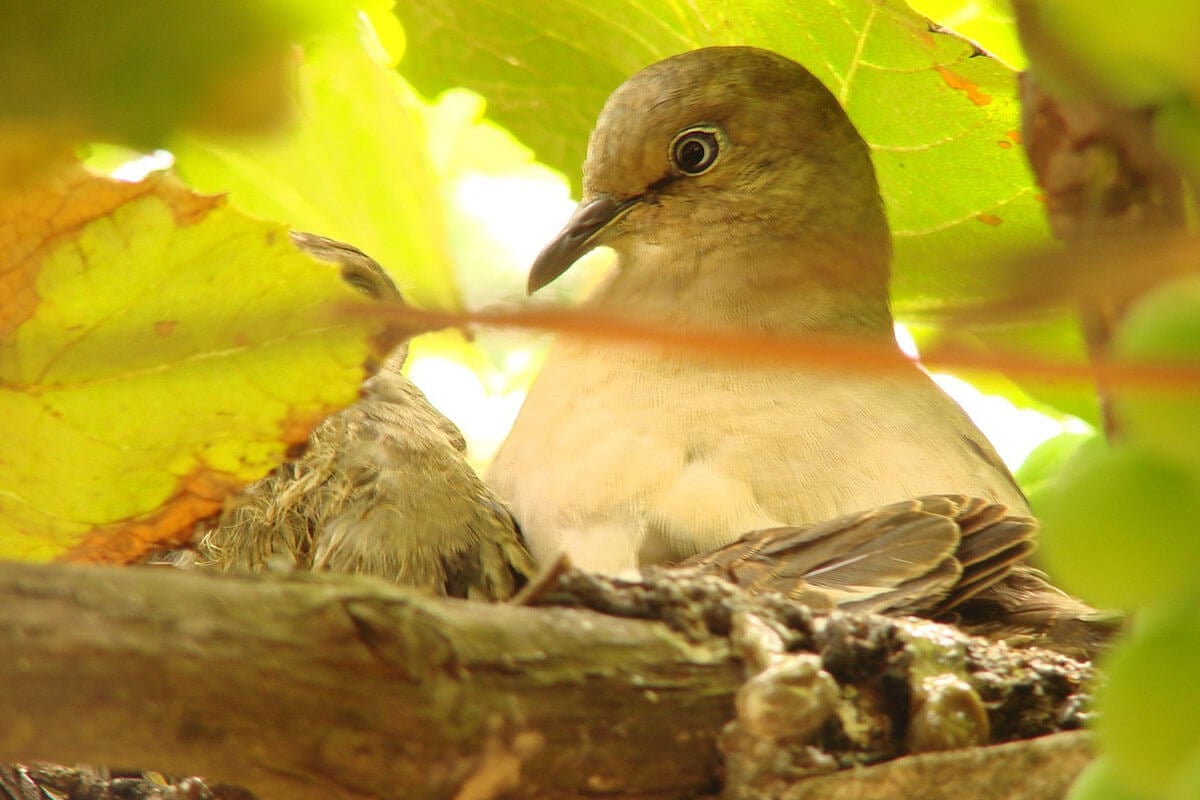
(628, 455)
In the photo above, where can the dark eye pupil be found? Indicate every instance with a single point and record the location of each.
(691, 154)
(695, 152)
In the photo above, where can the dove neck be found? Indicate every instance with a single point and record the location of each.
(782, 288)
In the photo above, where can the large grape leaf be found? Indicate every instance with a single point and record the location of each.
(354, 167)
(991, 24)
(156, 350)
(942, 120)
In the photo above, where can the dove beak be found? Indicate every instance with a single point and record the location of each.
(581, 234)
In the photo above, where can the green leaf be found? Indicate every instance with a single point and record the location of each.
(1135, 55)
(1142, 53)
(132, 71)
(942, 123)
(355, 169)
(1177, 126)
(490, 240)
(1045, 462)
(1053, 338)
(1163, 327)
(988, 23)
(1150, 721)
(1186, 785)
(1099, 781)
(1119, 527)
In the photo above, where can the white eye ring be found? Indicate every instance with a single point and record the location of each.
(695, 150)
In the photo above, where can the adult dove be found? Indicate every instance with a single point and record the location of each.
(737, 195)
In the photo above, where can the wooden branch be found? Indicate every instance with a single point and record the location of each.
(323, 687)
(1036, 769)
(350, 688)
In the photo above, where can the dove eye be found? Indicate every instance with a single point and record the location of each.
(695, 150)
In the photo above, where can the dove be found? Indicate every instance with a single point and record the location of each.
(737, 196)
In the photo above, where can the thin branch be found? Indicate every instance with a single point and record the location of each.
(825, 352)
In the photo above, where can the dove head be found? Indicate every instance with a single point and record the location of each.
(728, 155)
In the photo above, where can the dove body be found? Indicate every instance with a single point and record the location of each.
(738, 196)
(626, 455)
(658, 456)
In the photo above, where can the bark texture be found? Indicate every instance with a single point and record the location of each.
(318, 687)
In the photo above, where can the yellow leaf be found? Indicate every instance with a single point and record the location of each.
(157, 350)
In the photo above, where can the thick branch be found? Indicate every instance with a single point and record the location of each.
(352, 688)
(306, 687)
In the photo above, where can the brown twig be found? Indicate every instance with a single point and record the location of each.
(834, 354)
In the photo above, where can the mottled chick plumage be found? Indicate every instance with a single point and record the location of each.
(383, 488)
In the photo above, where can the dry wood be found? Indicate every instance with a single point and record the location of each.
(317, 687)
